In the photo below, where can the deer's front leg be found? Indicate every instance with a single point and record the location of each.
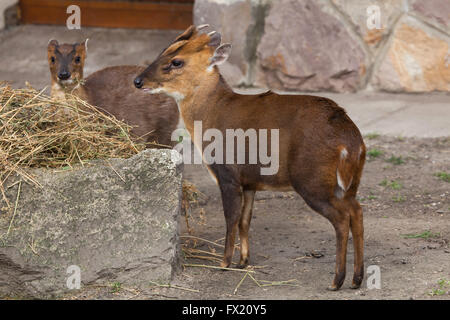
(232, 202)
(244, 226)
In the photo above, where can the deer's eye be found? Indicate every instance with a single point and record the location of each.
(52, 59)
(177, 63)
(77, 59)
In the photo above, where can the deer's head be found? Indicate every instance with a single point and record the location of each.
(66, 61)
(190, 60)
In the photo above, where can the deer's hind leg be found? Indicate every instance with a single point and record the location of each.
(338, 212)
(357, 227)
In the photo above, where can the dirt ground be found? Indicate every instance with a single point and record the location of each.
(407, 234)
(406, 206)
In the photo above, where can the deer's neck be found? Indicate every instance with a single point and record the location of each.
(59, 90)
(203, 104)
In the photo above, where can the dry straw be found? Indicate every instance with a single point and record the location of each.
(39, 131)
(190, 198)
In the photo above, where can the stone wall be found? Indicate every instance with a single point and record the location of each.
(334, 45)
(4, 6)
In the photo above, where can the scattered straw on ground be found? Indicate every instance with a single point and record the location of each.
(190, 198)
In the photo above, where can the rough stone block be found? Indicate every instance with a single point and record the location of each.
(360, 12)
(117, 220)
(4, 5)
(239, 22)
(436, 11)
(306, 47)
(417, 60)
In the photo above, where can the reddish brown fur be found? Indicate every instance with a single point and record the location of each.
(65, 58)
(112, 90)
(313, 132)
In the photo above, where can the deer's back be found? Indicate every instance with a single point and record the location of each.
(112, 90)
(316, 120)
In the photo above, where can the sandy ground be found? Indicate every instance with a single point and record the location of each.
(289, 241)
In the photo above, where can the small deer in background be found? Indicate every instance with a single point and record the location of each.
(112, 90)
(321, 151)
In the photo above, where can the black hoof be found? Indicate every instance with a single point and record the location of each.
(337, 282)
(242, 264)
(355, 286)
(332, 288)
(357, 280)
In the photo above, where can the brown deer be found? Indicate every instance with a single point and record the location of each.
(321, 151)
(111, 90)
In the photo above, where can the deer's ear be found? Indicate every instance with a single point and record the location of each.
(187, 34)
(220, 55)
(53, 43)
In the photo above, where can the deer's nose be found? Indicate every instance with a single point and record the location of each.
(64, 75)
(138, 82)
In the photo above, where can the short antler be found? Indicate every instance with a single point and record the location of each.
(202, 26)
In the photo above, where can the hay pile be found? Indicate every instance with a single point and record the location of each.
(38, 131)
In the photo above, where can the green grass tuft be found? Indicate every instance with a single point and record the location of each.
(399, 198)
(372, 135)
(393, 184)
(374, 153)
(396, 160)
(444, 286)
(444, 176)
(116, 287)
(424, 235)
